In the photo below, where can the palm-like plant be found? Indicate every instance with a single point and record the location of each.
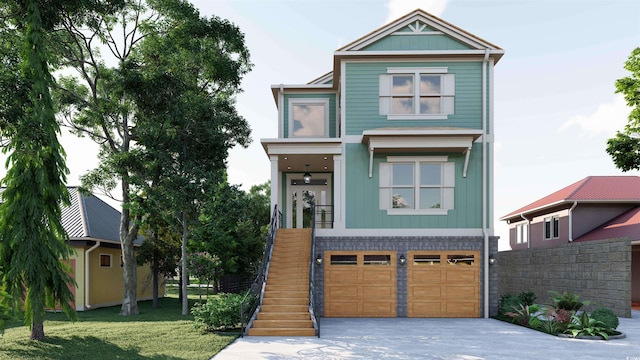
(583, 325)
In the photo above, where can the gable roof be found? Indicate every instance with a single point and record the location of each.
(90, 217)
(604, 189)
(418, 21)
(626, 225)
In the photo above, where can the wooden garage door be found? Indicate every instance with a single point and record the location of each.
(360, 284)
(443, 284)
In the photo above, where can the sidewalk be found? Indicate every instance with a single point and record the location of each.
(404, 338)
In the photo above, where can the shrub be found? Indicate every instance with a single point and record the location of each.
(527, 297)
(567, 300)
(220, 312)
(606, 316)
(510, 303)
(583, 325)
(523, 314)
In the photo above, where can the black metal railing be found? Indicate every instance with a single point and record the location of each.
(312, 264)
(322, 217)
(253, 299)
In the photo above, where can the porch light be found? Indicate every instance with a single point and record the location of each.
(319, 260)
(492, 260)
(402, 260)
(307, 176)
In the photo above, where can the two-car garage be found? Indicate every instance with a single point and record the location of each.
(438, 283)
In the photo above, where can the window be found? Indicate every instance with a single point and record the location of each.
(551, 227)
(308, 117)
(522, 233)
(344, 259)
(417, 93)
(417, 185)
(377, 259)
(105, 260)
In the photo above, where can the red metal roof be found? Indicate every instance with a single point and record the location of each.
(589, 189)
(625, 225)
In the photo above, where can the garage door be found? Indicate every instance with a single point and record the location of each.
(443, 284)
(360, 284)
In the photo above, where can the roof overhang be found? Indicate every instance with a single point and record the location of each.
(558, 205)
(429, 139)
(289, 146)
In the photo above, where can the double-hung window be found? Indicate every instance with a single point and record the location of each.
(417, 93)
(423, 185)
(551, 227)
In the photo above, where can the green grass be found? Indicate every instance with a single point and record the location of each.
(161, 333)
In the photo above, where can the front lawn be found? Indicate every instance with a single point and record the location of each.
(161, 333)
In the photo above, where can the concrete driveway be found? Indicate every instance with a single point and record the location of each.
(451, 339)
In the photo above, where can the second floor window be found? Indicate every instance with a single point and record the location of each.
(308, 117)
(551, 227)
(421, 93)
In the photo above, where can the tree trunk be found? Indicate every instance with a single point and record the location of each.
(130, 269)
(154, 302)
(37, 331)
(185, 276)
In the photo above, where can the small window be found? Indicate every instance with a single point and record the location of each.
(426, 259)
(344, 259)
(105, 260)
(377, 259)
(551, 227)
(460, 259)
(522, 233)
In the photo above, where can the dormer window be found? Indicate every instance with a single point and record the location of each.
(417, 93)
(308, 117)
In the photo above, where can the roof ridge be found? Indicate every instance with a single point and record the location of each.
(583, 182)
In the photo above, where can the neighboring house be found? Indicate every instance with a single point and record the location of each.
(394, 146)
(93, 229)
(594, 208)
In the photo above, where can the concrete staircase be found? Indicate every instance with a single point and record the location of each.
(285, 307)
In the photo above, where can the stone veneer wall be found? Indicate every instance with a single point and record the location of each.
(401, 245)
(599, 271)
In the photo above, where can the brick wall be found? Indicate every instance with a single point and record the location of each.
(401, 245)
(599, 271)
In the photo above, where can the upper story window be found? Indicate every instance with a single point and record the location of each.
(522, 233)
(417, 93)
(422, 185)
(308, 117)
(105, 260)
(551, 227)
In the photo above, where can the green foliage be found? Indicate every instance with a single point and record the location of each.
(567, 300)
(583, 325)
(624, 148)
(221, 312)
(606, 316)
(511, 302)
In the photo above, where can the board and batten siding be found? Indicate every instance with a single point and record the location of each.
(332, 110)
(362, 202)
(362, 98)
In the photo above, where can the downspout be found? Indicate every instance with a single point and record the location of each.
(528, 230)
(86, 274)
(575, 203)
(485, 233)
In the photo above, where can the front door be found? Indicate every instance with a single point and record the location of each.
(301, 197)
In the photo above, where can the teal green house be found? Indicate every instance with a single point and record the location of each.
(389, 158)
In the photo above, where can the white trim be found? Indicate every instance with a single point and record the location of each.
(281, 112)
(386, 232)
(292, 102)
(417, 52)
(417, 158)
(417, 70)
(301, 146)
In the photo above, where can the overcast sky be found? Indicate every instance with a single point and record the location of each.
(554, 98)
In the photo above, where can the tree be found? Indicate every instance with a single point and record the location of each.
(164, 118)
(33, 238)
(624, 148)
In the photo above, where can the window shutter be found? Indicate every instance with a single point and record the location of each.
(384, 186)
(449, 85)
(384, 90)
(449, 172)
(448, 198)
(448, 105)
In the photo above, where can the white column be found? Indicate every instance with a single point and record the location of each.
(275, 183)
(338, 200)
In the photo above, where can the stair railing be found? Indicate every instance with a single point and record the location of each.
(252, 300)
(312, 263)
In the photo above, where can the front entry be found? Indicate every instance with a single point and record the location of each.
(301, 196)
